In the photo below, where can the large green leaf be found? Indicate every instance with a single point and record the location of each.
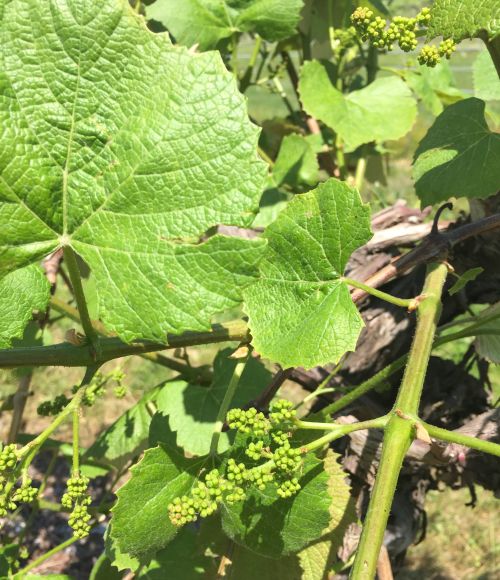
(486, 83)
(273, 527)
(300, 310)
(140, 523)
(21, 292)
(126, 148)
(206, 22)
(385, 109)
(459, 19)
(192, 410)
(459, 156)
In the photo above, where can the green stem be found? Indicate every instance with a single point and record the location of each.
(467, 440)
(76, 282)
(43, 557)
(340, 157)
(75, 402)
(226, 401)
(341, 430)
(194, 374)
(360, 173)
(399, 432)
(247, 76)
(409, 303)
(379, 423)
(394, 367)
(265, 156)
(76, 441)
(66, 354)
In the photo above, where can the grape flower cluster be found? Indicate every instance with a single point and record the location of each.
(10, 496)
(271, 461)
(76, 497)
(401, 31)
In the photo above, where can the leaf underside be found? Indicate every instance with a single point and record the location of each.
(127, 148)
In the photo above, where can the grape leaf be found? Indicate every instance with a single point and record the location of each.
(273, 527)
(21, 292)
(459, 19)
(206, 22)
(317, 558)
(459, 156)
(486, 85)
(126, 148)
(488, 345)
(383, 110)
(296, 163)
(300, 310)
(140, 523)
(192, 410)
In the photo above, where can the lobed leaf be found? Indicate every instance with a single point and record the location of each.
(459, 156)
(206, 22)
(300, 310)
(128, 149)
(459, 19)
(383, 110)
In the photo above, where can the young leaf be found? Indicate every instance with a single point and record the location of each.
(206, 22)
(300, 310)
(127, 149)
(21, 292)
(459, 156)
(385, 109)
(274, 527)
(103, 569)
(459, 19)
(317, 558)
(140, 523)
(467, 276)
(192, 409)
(486, 85)
(296, 163)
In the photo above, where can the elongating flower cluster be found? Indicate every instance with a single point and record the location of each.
(11, 496)
(383, 34)
(273, 461)
(76, 497)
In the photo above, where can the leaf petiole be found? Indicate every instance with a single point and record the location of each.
(409, 303)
